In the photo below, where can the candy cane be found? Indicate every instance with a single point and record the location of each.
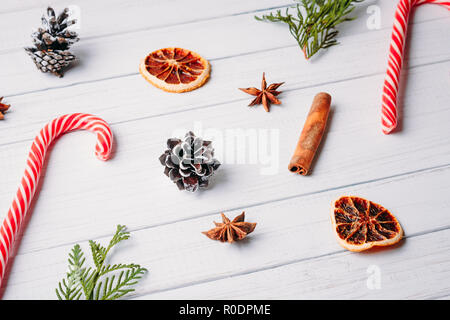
(391, 82)
(51, 131)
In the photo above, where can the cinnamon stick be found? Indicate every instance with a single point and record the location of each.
(311, 135)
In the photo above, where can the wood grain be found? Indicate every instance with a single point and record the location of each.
(299, 232)
(417, 270)
(87, 191)
(105, 18)
(292, 253)
(119, 55)
(131, 97)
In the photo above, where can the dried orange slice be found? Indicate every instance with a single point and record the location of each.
(175, 69)
(360, 224)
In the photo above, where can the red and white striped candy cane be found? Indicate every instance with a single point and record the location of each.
(51, 131)
(391, 82)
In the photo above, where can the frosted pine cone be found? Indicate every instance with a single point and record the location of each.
(52, 41)
(189, 162)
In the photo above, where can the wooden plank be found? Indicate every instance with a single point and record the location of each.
(79, 192)
(112, 97)
(419, 269)
(82, 198)
(299, 235)
(104, 18)
(119, 55)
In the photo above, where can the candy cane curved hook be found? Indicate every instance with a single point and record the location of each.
(51, 131)
(391, 83)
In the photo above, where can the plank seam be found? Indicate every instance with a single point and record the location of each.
(206, 106)
(274, 266)
(137, 73)
(137, 30)
(162, 26)
(400, 176)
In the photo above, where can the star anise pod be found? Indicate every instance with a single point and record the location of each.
(3, 108)
(231, 231)
(266, 95)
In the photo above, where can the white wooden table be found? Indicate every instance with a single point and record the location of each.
(292, 253)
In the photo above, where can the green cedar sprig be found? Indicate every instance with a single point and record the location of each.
(104, 282)
(314, 26)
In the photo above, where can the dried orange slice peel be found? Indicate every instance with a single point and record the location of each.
(175, 69)
(360, 224)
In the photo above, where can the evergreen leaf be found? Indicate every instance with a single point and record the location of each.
(69, 288)
(315, 26)
(80, 280)
(122, 285)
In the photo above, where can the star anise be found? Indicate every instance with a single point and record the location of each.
(231, 230)
(266, 95)
(3, 108)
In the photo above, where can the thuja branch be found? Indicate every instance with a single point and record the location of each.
(314, 24)
(102, 282)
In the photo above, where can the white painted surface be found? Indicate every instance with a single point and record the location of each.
(292, 253)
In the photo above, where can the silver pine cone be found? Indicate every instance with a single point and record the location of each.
(190, 162)
(52, 41)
